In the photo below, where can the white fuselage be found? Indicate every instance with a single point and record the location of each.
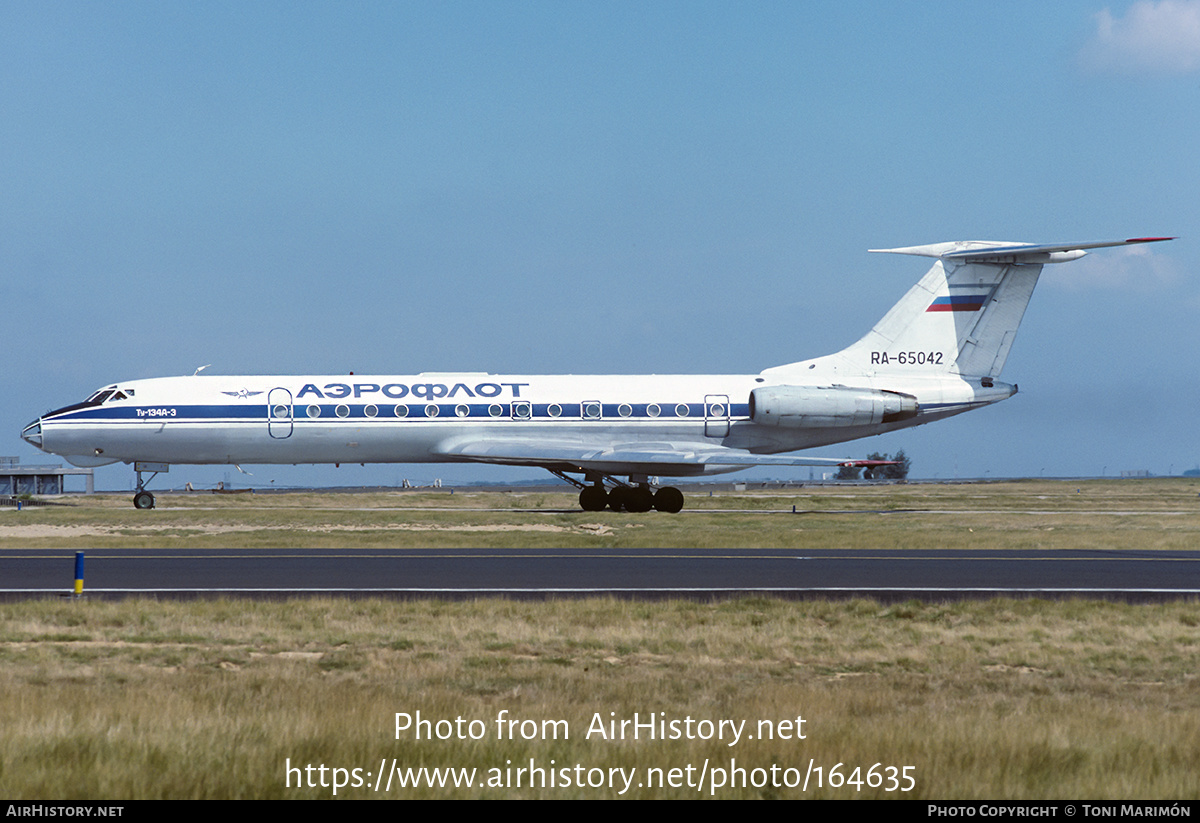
(420, 418)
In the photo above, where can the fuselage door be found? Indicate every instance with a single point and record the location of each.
(716, 415)
(279, 413)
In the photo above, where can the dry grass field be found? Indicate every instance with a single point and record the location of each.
(213, 699)
(1000, 699)
(1098, 514)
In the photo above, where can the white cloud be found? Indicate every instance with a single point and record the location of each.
(1162, 37)
(1134, 269)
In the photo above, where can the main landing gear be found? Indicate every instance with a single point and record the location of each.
(636, 496)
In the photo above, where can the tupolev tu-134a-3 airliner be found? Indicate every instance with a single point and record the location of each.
(936, 353)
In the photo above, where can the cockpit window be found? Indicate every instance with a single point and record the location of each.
(100, 396)
(118, 395)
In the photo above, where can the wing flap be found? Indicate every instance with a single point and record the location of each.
(632, 457)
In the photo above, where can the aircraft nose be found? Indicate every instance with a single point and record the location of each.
(32, 433)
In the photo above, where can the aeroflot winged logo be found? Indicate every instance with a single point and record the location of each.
(243, 393)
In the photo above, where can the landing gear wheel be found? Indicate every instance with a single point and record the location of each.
(617, 498)
(593, 499)
(639, 500)
(668, 499)
(143, 500)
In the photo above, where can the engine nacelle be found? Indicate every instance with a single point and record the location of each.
(820, 407)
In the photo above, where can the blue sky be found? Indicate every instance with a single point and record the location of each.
(614, 187)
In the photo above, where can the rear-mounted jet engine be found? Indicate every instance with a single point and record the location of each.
(797, 407)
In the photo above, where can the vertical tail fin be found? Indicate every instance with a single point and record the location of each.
(962, 317)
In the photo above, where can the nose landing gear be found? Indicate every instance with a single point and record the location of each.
(143, 499)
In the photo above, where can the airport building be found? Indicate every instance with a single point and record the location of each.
(16, 479)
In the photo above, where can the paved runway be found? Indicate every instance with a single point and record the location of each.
(894, 574)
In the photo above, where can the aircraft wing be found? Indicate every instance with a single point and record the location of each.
(641, 458)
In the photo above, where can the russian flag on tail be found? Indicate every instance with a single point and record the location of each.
(958, 302)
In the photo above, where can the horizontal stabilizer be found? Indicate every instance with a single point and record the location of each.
(991, 251)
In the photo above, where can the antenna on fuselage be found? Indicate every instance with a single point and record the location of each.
(202, 368)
